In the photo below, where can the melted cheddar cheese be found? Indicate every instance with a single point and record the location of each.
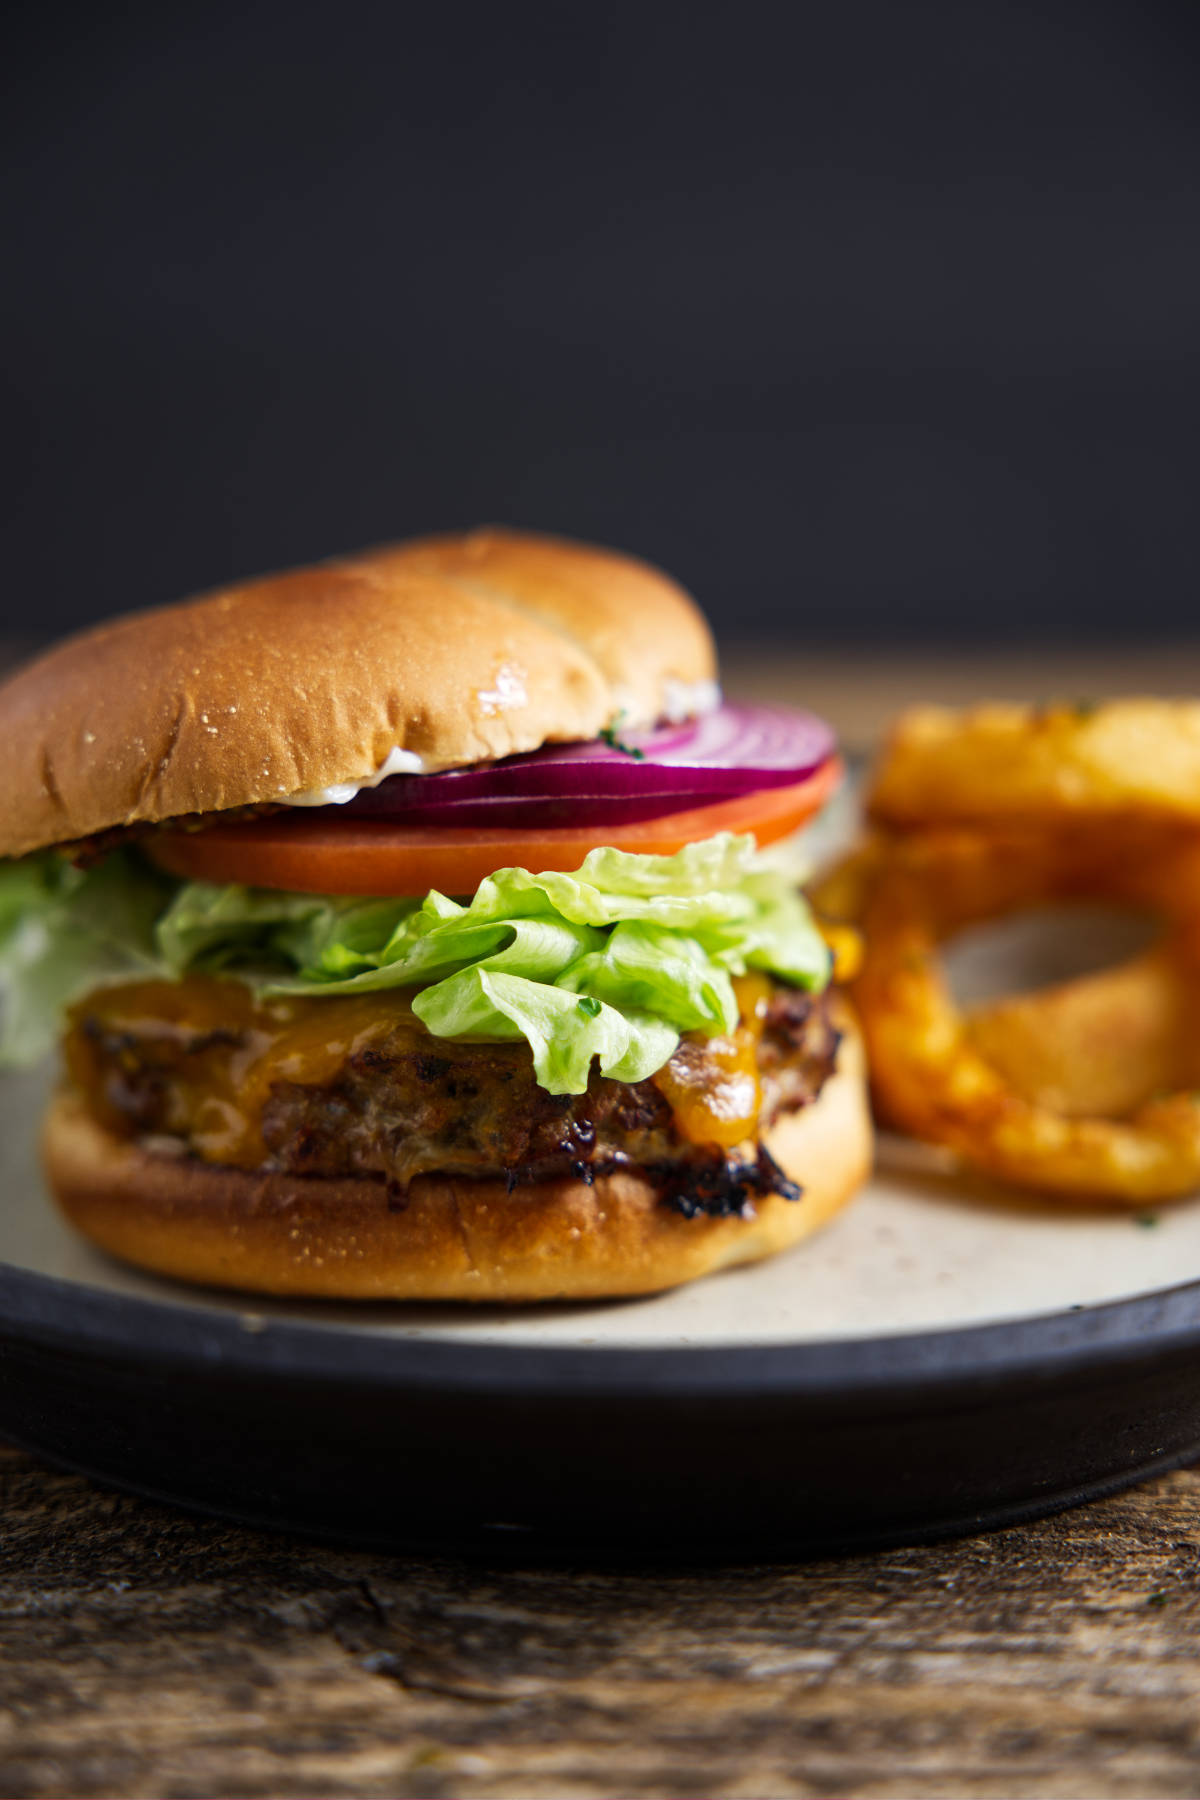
(221, 1051)
(215, 1053)
(711, 1084)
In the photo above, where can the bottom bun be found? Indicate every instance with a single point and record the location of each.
(451, 1239)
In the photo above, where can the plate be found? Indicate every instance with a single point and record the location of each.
(939, 1359)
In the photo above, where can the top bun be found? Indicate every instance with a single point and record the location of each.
(455, 649)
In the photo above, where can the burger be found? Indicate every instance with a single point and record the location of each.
(410, 927)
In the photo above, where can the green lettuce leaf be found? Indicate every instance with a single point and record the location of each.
(563, 1030)
(610, 963)
(64, 931)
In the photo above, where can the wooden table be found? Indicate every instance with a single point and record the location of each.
(146, 1652)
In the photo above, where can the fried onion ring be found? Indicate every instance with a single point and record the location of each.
(1101, 1045)
(930, 1074)
(1118, 761)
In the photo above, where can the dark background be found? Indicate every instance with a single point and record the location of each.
(869, 320)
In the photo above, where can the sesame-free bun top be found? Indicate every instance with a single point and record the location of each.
(454, 649)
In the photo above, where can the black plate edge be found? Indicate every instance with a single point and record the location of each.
(55, 1313)
(519, 1546)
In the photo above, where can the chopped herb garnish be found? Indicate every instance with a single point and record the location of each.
(589, 1006)
(609, 736)
(1147, 1220)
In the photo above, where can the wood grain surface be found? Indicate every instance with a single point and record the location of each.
(146, 1652)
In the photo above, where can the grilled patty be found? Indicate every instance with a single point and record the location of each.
(400, 1102)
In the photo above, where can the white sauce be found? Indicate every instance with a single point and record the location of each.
(684, 699)
(397, 762)
(681, 700)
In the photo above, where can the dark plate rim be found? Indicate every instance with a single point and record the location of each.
(48, 1312)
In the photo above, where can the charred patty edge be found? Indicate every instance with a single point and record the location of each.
(390, 1119)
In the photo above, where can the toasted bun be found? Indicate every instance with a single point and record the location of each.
(453, 1239)
(458, 649)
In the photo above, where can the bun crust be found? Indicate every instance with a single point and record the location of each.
(459, 649)
(454, 1239)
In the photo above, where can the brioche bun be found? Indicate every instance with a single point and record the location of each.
(456, 649)
(453, 1239)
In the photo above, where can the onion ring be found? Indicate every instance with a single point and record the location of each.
(1101, 1045)
(929, 1076)
(1115, 762)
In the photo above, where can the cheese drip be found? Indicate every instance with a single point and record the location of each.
(712, 1084)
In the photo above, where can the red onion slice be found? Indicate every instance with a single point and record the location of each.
(639, 775)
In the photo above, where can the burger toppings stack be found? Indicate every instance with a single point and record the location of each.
(412, 928)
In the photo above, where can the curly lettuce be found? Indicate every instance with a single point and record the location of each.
(611, 963)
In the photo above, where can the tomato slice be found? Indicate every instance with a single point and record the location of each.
(322, 855)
